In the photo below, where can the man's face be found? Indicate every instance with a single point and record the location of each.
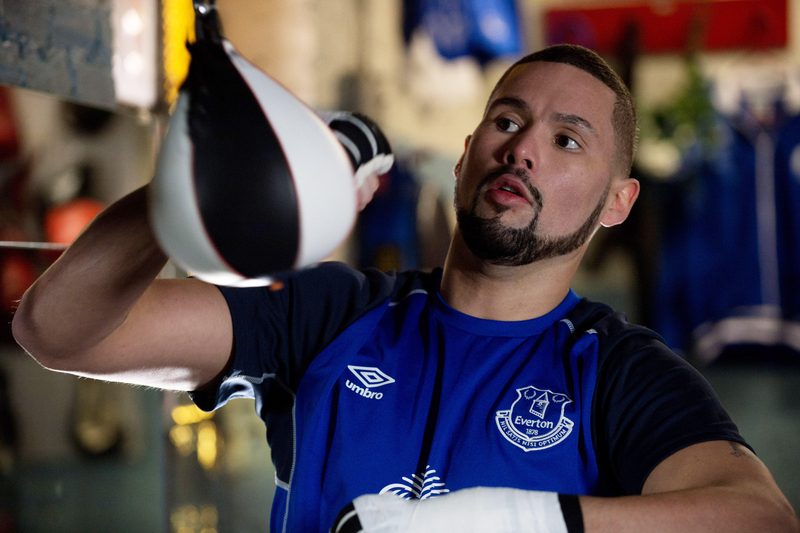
(534, 178)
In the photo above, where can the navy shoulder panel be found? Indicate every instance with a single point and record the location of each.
(648, 403)
(611, 327)
(281, 331)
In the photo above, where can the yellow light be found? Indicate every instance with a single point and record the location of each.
(178, 17)
(192, 516)
(208, 517)
(207, 444)
(182, 437)
(185, 519)
(189, 414)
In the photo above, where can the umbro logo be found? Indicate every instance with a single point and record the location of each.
(371, 377)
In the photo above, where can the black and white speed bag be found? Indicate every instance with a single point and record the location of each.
(249, 180)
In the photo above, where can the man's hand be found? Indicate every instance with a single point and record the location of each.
(367, 147)
(367, 190)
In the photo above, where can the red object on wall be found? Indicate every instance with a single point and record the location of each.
(16, 275)
(64, 222)
(666, 26)
(9, 140)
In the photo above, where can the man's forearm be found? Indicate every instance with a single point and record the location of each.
(87, 293)
(707, 509)
(725, 509)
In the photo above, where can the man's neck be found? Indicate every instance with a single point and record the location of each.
(482, 290)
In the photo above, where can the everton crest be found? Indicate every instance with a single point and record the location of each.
(536, 419)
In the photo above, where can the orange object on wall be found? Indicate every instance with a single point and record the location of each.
(64, 222)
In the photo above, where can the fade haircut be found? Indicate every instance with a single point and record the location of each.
(623, 118)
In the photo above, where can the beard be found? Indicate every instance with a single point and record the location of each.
(491, 241)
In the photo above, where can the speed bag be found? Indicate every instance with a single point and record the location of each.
(249, 180)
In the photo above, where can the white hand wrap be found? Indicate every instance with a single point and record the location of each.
(365, 143)
(475, 510)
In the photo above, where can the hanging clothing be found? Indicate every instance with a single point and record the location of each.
(484, 29)
(729, 281)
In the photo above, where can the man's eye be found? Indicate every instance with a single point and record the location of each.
(566, 142)
(505, 124)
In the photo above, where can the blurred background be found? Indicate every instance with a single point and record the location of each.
(710, 257)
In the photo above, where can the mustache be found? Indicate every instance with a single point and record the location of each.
(517, 172)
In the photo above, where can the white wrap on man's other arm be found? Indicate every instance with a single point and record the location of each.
(474, 510)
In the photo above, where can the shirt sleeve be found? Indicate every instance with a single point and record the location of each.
(649, 403)
(277, 333)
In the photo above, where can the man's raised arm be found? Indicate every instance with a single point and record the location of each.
(99, 311)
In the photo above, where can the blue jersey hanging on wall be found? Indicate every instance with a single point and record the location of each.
(729, 282)
(484, 29)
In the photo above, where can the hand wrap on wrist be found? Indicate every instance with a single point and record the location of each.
(475, 510)
(365, 143)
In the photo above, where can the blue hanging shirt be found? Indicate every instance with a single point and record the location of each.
(484, 29)
(730, 245)
(369, 382)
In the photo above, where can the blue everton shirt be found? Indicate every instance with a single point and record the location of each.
(371, 383)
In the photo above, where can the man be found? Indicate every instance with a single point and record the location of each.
(486, 395)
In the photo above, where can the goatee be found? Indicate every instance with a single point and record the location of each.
(491, 241)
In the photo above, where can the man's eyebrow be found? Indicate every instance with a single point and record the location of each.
(510, 101)
(575, 120)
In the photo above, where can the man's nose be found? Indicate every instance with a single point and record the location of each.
(512, 160)
(520, 151)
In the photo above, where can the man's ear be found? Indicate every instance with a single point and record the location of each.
(457, 168)
(625, 192)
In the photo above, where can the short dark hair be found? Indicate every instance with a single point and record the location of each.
(623, 118)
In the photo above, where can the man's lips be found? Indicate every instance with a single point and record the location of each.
(507, 188)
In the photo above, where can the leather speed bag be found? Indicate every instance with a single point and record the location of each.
(249, 180)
